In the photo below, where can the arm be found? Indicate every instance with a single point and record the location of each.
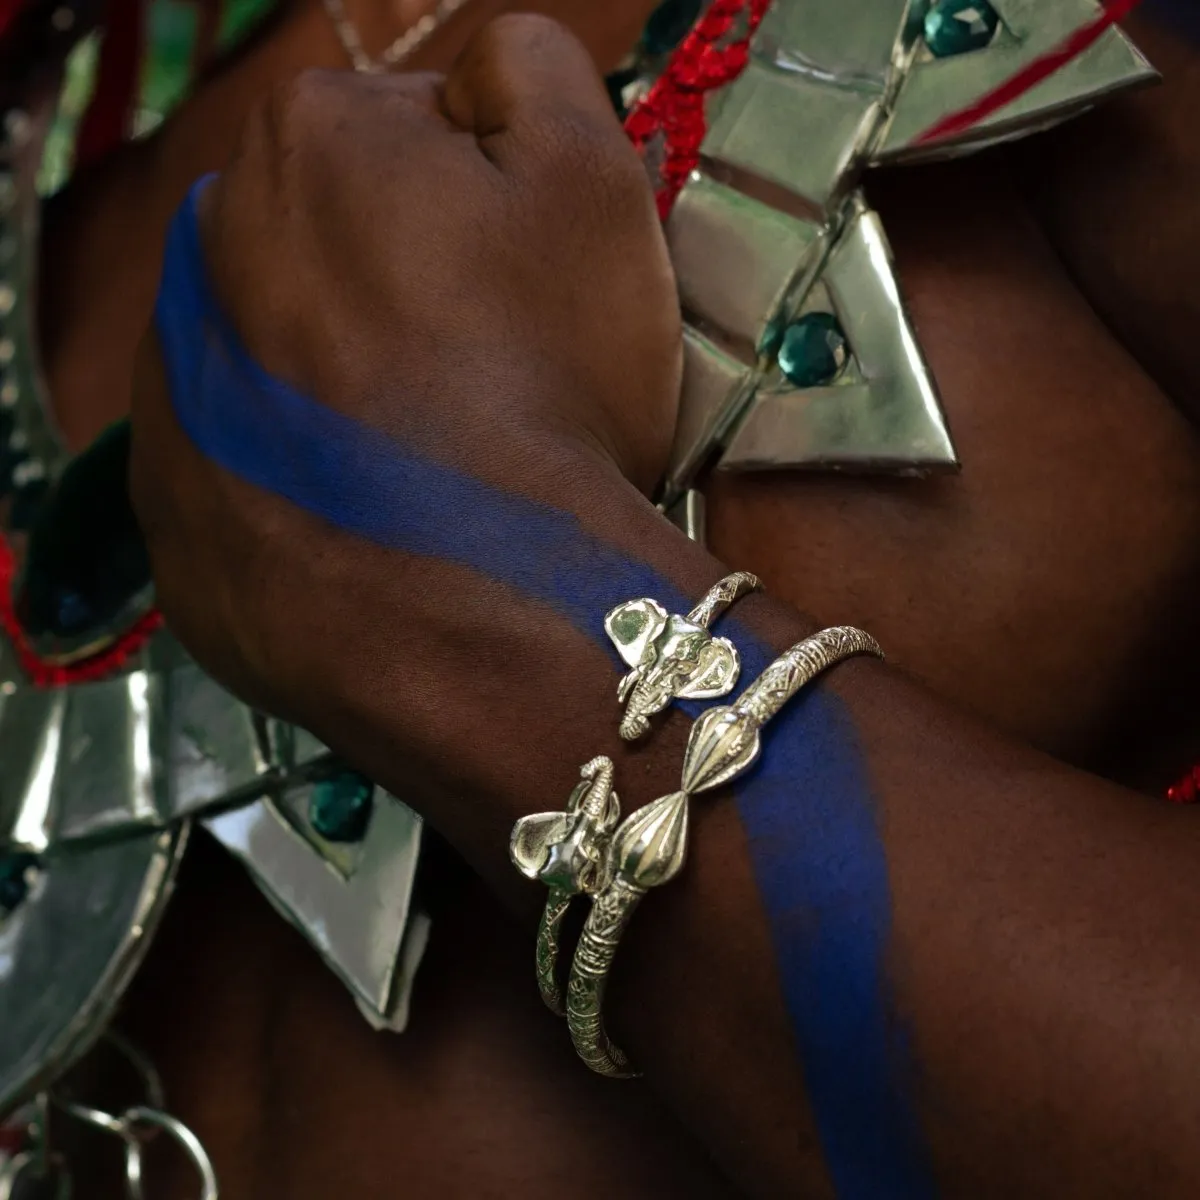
(904, 950)
(983, 550)
(904, 937)
(1128, 236)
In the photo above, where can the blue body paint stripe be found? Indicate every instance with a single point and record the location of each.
(818, 857)
(357, 479)
(822, 875)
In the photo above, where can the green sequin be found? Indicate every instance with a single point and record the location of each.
(340, 808)
(813, 350)
(959, 26)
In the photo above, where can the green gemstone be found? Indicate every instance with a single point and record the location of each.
(813, 350)
(959, 26)
(340, 808)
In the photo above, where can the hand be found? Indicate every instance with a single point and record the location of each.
(103, 234)
(472, 266)
(493, 231)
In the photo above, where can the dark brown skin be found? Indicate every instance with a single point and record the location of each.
(1071, 443)
(1001, 587)
(105, 232)
(1127, 234)
(1043, 938)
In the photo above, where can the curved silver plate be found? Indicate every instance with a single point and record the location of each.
(69, 951)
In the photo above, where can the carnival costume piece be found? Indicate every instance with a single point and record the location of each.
(799, 353)
(798, 349)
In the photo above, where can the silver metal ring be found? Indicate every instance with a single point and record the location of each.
(190, 1144)
(134, 1127)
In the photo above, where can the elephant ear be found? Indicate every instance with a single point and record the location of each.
(716, 671)
(633, 626)
(532, 837)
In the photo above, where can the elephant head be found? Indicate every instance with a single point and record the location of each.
(672, 658)
(569, 850)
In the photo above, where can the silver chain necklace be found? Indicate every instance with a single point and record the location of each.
(416, 35)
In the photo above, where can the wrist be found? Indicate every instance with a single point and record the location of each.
(506, 697)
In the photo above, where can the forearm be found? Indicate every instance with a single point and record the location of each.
(405, 538)
(935, 934)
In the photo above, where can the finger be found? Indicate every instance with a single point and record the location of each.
(520, 83)
(421, 89)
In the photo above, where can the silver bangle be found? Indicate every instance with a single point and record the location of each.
(649, 848)
(568, 852)
(673, 657)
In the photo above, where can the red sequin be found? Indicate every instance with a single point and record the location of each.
(674, 107)
(1187, 790)
(13, 1139)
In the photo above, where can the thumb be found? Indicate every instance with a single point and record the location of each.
(521, 84)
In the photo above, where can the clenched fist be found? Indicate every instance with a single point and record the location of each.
(468, 269)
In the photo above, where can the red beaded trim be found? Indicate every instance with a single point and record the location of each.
(674, 107)
(50, 674)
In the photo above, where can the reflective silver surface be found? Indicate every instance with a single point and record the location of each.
(136, 752)
(715, 387)
(852, 45)
(358, 916)
(811, 152)
(672, 656)
(884, 415)
(935, 87)
(688, 515)
(770, 227)
(68, 952)
(736, 260)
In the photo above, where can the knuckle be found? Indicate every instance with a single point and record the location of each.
(296, 112)
(604, 175)
(517, 33)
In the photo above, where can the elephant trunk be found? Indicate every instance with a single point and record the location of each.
(634, 724)
(600, 772)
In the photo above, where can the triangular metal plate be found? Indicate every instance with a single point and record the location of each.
(884, 414)
(359, 922)
(934, 87)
